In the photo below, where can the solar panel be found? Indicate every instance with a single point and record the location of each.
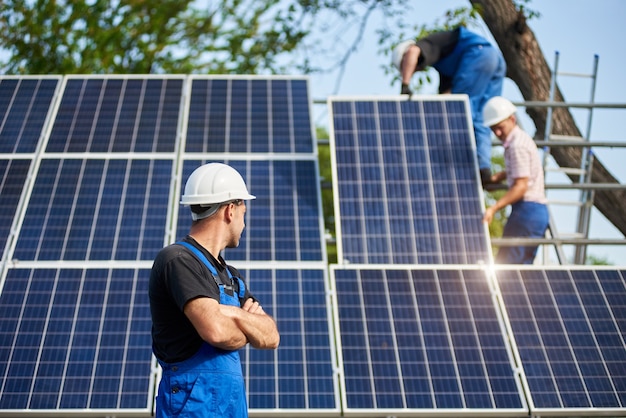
(284, 221)
(405, 181)
(13, 174)
(24, 107)
(75, 339)
(422, 340)
(300, 375)
(568, 324)
(249, 114)
(96, 209)
(117, 114)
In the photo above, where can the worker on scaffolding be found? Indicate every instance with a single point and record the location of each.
(467, 64)
(524, 175)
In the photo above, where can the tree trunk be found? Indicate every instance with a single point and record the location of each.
(527, 67)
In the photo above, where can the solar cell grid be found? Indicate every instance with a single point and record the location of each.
(568, 326)
(13, 174)
(75, 339)
(117, 114)
(300, 374)
(24, 108)
(422, 339)
(405, 182)
(96, 210)
(242, 115)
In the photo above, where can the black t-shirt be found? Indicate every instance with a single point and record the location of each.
(177, 277)
(434, 48)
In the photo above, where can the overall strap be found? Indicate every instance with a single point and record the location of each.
(211, 267)
(202, 258)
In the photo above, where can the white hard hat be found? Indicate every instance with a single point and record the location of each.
(398, 52)
(496, 110)
(212, 184)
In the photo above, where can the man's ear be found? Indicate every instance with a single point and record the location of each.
(229, 212)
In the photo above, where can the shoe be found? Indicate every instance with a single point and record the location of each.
(406, 90)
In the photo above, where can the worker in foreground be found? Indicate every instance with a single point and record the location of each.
(467, 64)
(524, 174)
(202, 310)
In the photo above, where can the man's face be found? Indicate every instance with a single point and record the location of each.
(504, 128)
(238, 224)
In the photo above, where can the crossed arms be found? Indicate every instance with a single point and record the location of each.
(230, 327)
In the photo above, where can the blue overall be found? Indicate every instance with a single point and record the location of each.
(210, 383)
(477, 69)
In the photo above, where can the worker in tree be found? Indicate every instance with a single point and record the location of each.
(524, 174)
(467, 64)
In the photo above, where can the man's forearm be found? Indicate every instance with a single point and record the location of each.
(260, 329)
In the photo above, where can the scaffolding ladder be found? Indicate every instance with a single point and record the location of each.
(586, 194)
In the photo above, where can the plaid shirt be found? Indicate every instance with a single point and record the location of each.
(521, 159)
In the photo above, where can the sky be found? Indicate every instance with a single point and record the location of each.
(578, 30)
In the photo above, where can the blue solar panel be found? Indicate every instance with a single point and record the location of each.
(283, 223)
(24, 108)
(13, 174)
(249, 115)
(422, 339)
(406, 187)
(75, 339)
(300, 374)
(96, 210)
(569, 326)
(117, 114)
(69, 338)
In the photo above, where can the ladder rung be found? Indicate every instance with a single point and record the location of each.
(565, 202)
(569, 235)
(566, 138)
(582, 75)
(567, 170)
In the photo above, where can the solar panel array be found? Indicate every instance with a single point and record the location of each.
(444, 336)
(90, 190)
(422, 339)
(569, 327)
(411, 322)
(405, 181)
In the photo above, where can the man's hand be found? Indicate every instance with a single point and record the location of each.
(252, 306)
(489, 214)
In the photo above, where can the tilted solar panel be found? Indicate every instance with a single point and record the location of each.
(569, 327)
(405, 182)
(300, 374)
(417, 340)
(249, 115)
(24, 107)
(117, 114)
(96, 209)
(73, 339)
(13, 175)
(284, 221)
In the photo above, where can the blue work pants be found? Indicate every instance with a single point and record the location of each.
(480, 75)
(527, 220)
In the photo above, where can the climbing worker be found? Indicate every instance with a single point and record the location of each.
(467, 64)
